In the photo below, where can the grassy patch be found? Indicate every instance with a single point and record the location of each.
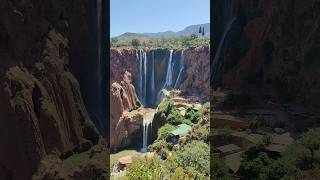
(75, 160)
(114, 157)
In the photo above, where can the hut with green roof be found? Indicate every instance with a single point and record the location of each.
(181, 131)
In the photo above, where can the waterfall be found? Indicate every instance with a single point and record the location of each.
(217, 60)
(147, 121)
(140, 75)
(152, 76)
(145, 77)
(181, 70)
(168, 82)
(229, 18)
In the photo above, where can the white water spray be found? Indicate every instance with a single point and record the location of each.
(181, 70)
(152, 75)
(216, 64)
(147, 121)
(140, 73)
(168, 82)
(145, 76)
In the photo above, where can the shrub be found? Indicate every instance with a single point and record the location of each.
(164, 131)
(201, 162)
(201, 133)
(220, 170)
(146, 168)
(193, 115)
(187, 121)
(135, 42)
(158, 145)
(174, 118)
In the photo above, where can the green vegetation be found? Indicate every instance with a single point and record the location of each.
(220, 170)
(135, 42)
(300, 161)
(180, 42)
(75, 160)
(114, 157)
(177, 160)
(174, 118)
(193, 116)
(194, 156)
(146, 168)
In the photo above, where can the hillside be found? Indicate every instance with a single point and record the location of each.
(185, 32)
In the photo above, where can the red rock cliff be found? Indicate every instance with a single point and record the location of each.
(41, 108)
(274, 46)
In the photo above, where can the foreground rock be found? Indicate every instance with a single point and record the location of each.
(125, 119)
(42, 112)
(92, 164)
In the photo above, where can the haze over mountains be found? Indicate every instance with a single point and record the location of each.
(185, 32)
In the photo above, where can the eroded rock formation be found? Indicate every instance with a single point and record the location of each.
(273, 47)
(197, 76)
(42, 111)
(123, 120)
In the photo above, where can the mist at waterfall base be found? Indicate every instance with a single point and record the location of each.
(149, 85)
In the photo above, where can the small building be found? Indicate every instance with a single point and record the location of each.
(124, 162)
(180, 132)
(228, 149)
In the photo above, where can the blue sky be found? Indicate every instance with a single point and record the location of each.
(140, 16)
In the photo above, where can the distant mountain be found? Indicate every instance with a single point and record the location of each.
(185, 32)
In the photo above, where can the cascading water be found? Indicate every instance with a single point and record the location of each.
(229, 18)
(152, 75)
(168, 82)
(147, 121)
(145, 76)
(217, 59)
(140, 75)
(181, 70)
(147, 81)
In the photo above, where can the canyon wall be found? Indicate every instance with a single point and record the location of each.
(147, 71)
(123, 98)
(272, 47)
(42, 112)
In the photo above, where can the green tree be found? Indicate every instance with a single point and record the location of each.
(146, 168)
(194, 116)
(165, 131)
(114, 41)
(220, 170)
(195, 155)
(174, 118)
(135, 42)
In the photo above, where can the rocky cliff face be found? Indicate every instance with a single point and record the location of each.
(197, 77)
(42, 111)
(273, 46)
(126, 117)
(123, 123)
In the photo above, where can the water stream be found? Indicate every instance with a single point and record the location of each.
(168, 82)
(147, 122)
(181, 70)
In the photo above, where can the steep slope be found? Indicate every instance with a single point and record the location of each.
(272, 47)
(42, 111)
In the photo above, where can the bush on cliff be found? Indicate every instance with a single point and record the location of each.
(201, 162)
(174, 118)
(193, 116)
(164, 131)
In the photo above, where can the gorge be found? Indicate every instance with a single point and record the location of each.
(153, 70)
